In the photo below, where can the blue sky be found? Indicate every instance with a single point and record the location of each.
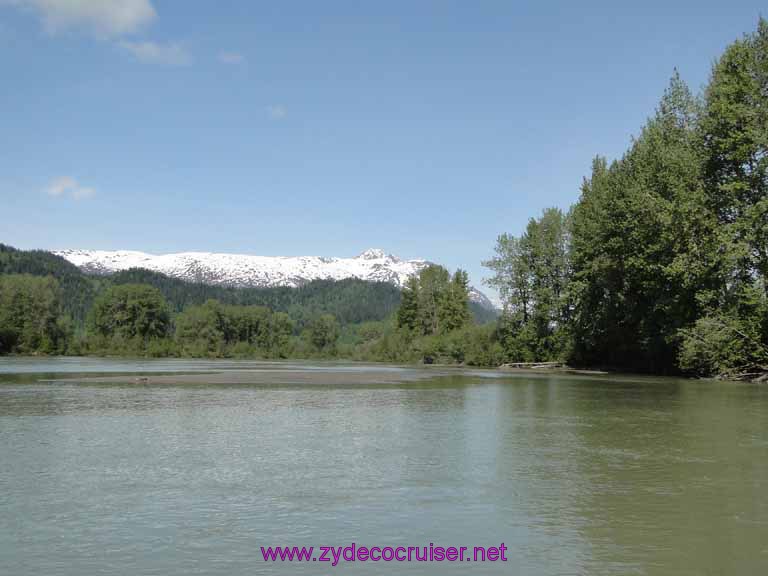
(324, 128)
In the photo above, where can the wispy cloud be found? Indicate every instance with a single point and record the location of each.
(229, 57)
(171, 54)
(66, 186)
(277, 111)
(106, 18)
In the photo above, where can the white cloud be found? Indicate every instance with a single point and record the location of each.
(68, 186)
(108, 18)
(170, 54)
(228, 57)
(277, 111)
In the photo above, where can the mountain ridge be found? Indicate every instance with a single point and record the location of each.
(250, 271)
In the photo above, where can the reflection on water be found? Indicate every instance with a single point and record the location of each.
(576, 475)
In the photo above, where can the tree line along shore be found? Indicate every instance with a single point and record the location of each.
(47, 306)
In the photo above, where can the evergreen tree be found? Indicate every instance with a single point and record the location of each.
(433, 286)
(454, 308)
(408, 312)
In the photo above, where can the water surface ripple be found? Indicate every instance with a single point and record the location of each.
(599, 475)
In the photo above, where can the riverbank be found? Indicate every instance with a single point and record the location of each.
(268, 376)
(172, 372)
(212, 367)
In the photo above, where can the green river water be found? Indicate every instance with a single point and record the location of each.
(600, 475)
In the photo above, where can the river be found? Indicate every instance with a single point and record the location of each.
(105, 473)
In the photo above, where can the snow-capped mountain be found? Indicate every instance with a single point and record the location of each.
(242, 270)
(476, 296)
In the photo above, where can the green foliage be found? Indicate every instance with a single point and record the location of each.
(217, 330)
(663, 264)
(725, 345)
(322, 332)
(370, 331)
(473, 345)
(130, 314)
(643, 244)
(76, 290)
(207, 329)
(385, 342)
(532, 274)
(433, 323)
(483, 346)
(481, 314)
(408, 312)
(731, 335)
(434, 302)
(31, 319)
(433, 288)
(199, 330)
(351, 301)
(453, 311)
(735, 125)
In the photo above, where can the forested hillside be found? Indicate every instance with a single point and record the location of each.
(77, 291)
(47, 305)
(350, 301)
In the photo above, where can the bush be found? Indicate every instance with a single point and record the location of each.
(720, 345)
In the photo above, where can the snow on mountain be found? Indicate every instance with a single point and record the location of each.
(476, 296)
(242, 270)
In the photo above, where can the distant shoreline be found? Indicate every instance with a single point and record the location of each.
(402, 373)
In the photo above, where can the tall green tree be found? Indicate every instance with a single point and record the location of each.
(322, 333)
(31, 317)
(434, 302)
(200, 330)
(512, 274)
(735, 130)
(408, 313)
(632, 243)
(731, 334)
(433, 285)
(532, 274)
(130, 312)
(454, 311)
